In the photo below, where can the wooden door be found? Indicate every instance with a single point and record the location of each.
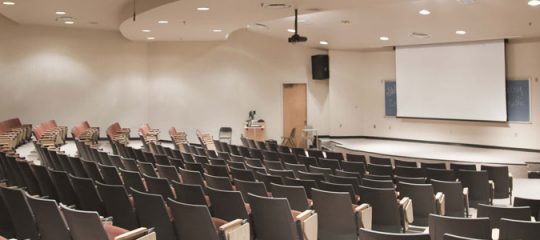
(294, 110)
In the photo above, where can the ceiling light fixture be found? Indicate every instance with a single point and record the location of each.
(534, 3)
(146, 30)
(424, 12)
(323, 42)
(203, 9)
(8, 3)
(461, 32)
(217, 30)
(384, 38)
(291, 30)
(163, 21)
(60, 13)
(69, 22)
(150, 38)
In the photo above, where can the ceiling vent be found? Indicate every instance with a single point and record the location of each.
(419, 35)
(276, 5)
(466, 2)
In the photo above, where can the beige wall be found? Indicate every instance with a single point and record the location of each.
(357, 102)
(74, 75)
(71, 76)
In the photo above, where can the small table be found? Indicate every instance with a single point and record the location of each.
(309, 134)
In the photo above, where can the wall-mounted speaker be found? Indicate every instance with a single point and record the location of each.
(320, 68)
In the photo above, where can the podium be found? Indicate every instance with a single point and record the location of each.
(255, 132)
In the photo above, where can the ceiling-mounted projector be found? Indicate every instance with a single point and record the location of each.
(295, 38)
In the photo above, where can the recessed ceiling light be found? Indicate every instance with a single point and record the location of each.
(291, 30)
(217, 30)
(323, 42)
(384, 38)
(461, 32)
(150, 38)
(534, 3)
(203, 9)
(163, 21)
(69, 22)
(146, 30)
(424, 12)
(60, 13)
(9, 3)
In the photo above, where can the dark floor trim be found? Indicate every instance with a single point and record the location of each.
(438, 142)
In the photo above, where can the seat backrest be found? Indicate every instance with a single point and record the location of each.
(499, 175)
(533, 203)
(318, 177)
(227, 205)
(281, 173)
(20, 212)
(192, 221)
(307, 184)
(152, 213)
(222, 183)
(389, 184)
(110, 174)
(31, 183)
(336, 218)
(453, 197)
(44, 180)
(329, 163)
(242, 174)
(478, 184)
(356, 158)
(84, 225)
(272, 218)
(448, 236)
(467, 227)
(516, 229)
(339, 187)
(191, 177)
(190, 194)
(415, 180)
(386, 214)
(49, 220)
(403, 163)
(433, 165)
(87, 195)
(118, 205)
(376, 169)
(334, 155)
(158, 186)
(366, 234)
(495, 213)
(168, 172)
(380, 160)
(410, 172)
(458, 166)
(63, 187)
(246, 187)
(441, 174)
(288, 158)
(132, 180)
(423, 200)
(295, 194)
(92, 170)
(357, 167)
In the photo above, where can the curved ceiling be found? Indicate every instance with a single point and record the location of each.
(344, 24)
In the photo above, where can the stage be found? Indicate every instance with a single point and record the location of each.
(436, 152)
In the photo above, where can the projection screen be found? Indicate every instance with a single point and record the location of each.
(465, 81)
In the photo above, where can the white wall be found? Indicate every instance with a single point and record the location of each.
(71, 76)
(75, 75)
(357, 101)
(206, 85)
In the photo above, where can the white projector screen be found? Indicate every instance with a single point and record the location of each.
(465, 81)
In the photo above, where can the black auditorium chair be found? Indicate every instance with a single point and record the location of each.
(356, 158)
(380, 160)
(424, 201)
(441, 174)
(110, 174)
(376, 169)
(334, 155)
(433, 165)
(190, 194)
(495, 213)
(63, 187)
(247, 187)
(228, 205)
(295, 194)
(404, 171)
(118, 205)
(168, 172)
(366, 234)
(479, 185)
(357, 167)
(147, 168)
(378, 183)
(516, 229)
(338, 218)
(466, 227)
(389, 214)
(191, 177)
(534, 204)
(307, 184)
(222, 183)
(159, 186)
(403, 163)
(461, 166)
(132, 180)
(502, 179)
(272, 219)
(21, 215)
(456, 197)
(50, 221)
(152, 213)
(87, 195)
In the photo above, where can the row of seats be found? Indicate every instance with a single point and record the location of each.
(85, 133)
(49, 134)
(13, 133)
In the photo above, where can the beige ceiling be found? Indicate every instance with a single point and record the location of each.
(369, 19)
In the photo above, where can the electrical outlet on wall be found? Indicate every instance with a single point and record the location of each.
(374, 126)
(340, 125)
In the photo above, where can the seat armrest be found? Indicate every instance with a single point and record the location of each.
(236, 230)
(440, 202)
(533, 219)
(364, 216)
(511, 179)
(491, 191)
(307, 225)
(407, 215)
(466, 200)
(139, 233)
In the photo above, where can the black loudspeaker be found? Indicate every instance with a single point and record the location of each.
(320, 68)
